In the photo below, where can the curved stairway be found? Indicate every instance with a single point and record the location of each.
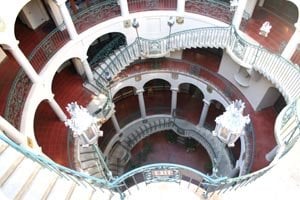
(23, 178)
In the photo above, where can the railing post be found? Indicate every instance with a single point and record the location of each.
(67, 19)
(24, 62)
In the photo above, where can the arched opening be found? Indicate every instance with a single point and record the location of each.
(104, 46)
(215, 109)
(189, 102)
(53, 145)
(50, 132)
(126, 106)
(168, 147)
(157, 95)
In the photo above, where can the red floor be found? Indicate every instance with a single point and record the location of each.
(163, 151)
(67, 86)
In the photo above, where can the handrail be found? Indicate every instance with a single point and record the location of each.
(168, 122)
(202, 178)
(52, 166)
(284, 74)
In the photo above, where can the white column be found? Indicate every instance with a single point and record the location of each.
(57, 109)
(12, 133)
(292, 45)
(141, 102)
(124, 8)
(115, 123)
(261, 3)
(67, 18)
(78, 66)
(55, 14)
(180, 7)
(87, 70)
(204, 113)
(250, 7)
(238, 15)
(174, 99)
(24, 62)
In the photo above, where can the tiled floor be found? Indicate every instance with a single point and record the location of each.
(67, 87)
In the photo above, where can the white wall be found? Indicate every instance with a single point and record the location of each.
(34, 14)
(258, 88)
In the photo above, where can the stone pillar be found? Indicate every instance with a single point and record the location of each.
(115, 123)
(141, 102)
(204, 113)
(24, 62)
(67, 18)
(55, 14)
(12, 133)
(57, 109)
(261, 3)
(250, 7)
(124, 8)
(180, 7)
(87, 70)
(78, 66)
(238, 15)
(292, 45)
(174, 100)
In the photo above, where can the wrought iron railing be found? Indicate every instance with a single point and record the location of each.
(165, 172)
(52, 166)
(104, 52)
(95, 14)
(211, 8)
(147, 5)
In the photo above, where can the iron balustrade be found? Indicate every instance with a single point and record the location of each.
(95, 14)
(211, 8)
(104, 52)
(148, 5)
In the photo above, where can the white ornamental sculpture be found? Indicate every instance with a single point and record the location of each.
(231, 124)
(83, 124)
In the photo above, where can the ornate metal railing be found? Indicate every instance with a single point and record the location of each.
(147, 5)
(281, 72)
(211, 8)
(112, 45)
(95, 14)
(52, 166)
(165, 172)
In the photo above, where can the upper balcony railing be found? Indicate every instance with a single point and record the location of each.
(147, 5)
(211, 8)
